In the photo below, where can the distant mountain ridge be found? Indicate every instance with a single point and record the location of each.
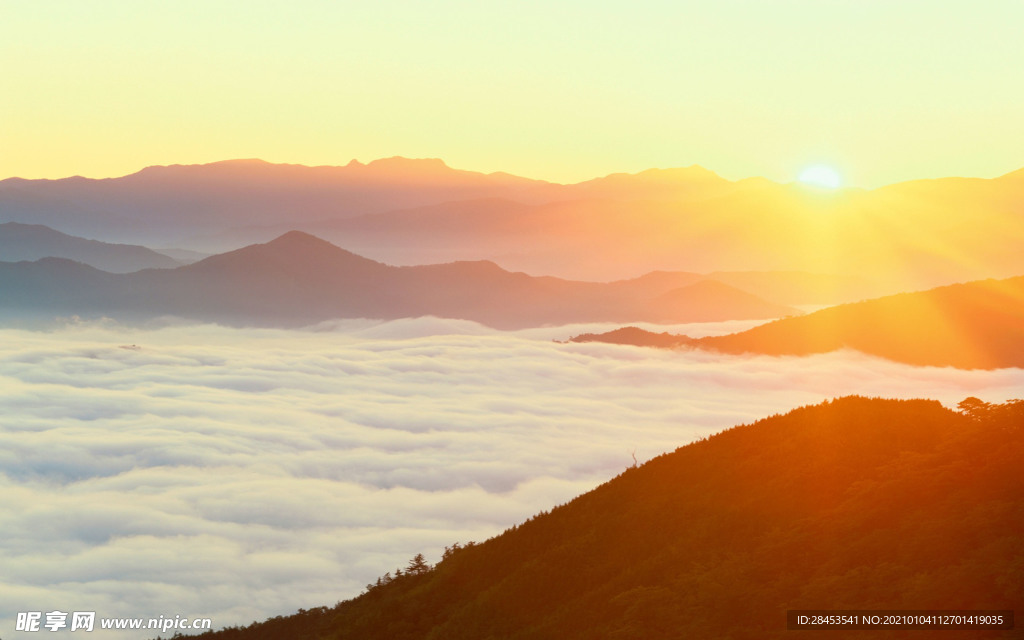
(20, 242)
(170, 202)
(299, 279)
(402, 211)
(975, 325)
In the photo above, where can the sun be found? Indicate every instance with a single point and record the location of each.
(821, 176)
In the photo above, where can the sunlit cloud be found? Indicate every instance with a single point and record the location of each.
(240, 474)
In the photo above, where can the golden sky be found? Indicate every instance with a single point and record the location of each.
(882, 90)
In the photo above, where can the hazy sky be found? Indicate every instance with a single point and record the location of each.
(883, 90)
(239, 474)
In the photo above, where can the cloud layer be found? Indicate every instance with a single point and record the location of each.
(239, 474)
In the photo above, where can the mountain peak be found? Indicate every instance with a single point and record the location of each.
(295, 252)
(305, 246)
(295, 236)
(409, 167)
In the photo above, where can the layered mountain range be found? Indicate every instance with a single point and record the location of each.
(400, 211)
(298, 279)
(471, 244)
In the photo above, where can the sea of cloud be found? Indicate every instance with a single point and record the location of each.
(238, 474)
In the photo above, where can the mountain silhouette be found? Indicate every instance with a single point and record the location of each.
(975, 325)
(20, 242)
(298, 279)
(855, 503)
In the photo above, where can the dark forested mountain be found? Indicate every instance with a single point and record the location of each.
(974, 325)
(298, 279)
(20, 242)
(852, 504)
